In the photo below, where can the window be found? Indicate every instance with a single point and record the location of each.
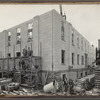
(30, 32)
(17, 54)
(30, 25)
(73, 37)
(18, 35)
(72, 58)
(9, 38)
(85, 73)
(78, 59)
(88, 60)
(82, 60)
(78, 41)
(85, 46)
(62, 30)
(63, 56)
(81, 75)
(9, 54)
(82, 43)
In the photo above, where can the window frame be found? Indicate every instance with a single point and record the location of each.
(82, 43)
(78, 41)
(73, 56)
(9, 38)
(17, 54)
(62, 56)
(72, 35)
(82, 60)
(62, 31)
(30, 31)
(17, 36)
(78, 59)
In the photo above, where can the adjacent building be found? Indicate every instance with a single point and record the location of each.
(62, 48)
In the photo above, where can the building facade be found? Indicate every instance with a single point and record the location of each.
(62, 48)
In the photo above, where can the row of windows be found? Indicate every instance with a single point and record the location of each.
(72, 38)
(18, 35)
(73, 58)
(78, 59)
(78, 41)
(62, 37)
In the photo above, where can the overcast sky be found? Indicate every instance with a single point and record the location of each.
(84, 18)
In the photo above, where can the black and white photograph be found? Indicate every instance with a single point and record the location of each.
(50, 49)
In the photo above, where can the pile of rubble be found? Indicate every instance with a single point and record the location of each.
(18, 92)
(94, 92)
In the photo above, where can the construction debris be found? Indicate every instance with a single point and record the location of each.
(5, 81)
(13, 86)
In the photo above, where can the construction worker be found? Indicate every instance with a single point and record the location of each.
(25, 51)
(29, 52)
(65, 83)
(71, 85)
(21, 64)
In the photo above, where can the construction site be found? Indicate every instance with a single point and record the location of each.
(42, 57)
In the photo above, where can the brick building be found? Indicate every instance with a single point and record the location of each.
(62, 48)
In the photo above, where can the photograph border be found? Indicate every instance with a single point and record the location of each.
(50, 2)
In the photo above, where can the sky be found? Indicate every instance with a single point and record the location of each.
(85, 18)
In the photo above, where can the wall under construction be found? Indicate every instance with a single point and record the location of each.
(60, 46)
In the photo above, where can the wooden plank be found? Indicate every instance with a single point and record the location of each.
(46, 78)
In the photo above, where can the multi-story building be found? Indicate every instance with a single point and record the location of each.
(62, 48)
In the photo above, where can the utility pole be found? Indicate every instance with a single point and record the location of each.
(14, 55)
(20, 64)
(8, 60)
(3, 68)
(31, 62)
